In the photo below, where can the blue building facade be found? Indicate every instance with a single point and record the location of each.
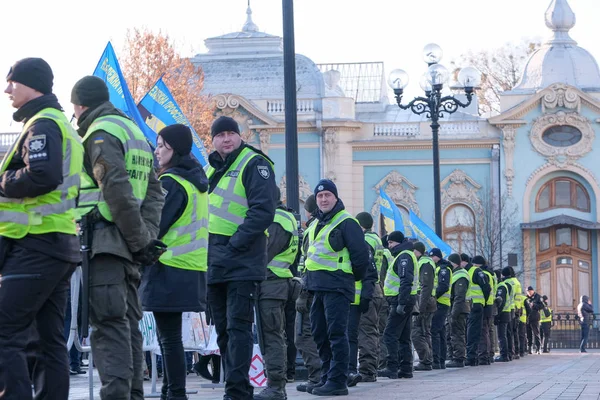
(523, 182)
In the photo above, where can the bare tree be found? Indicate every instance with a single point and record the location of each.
(501, 70)
(148, 56)
(496, 229)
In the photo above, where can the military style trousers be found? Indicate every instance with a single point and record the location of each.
(368, 339)
(353, 322)
(307, 347)
(438, 334)
(33, 296)
(510, 339)
(384, 310)
(522, 333)
(485, 342)
(232, 309)
(457, 349)
(329, 325)
(474, 325)
(272, 298)
(545, 335)
(516, 342)
(290, 337)
(421, 337)
(115, 312)
(397, 340)
(503, 339)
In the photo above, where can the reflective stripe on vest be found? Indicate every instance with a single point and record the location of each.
(507, 303)
(228, 203)
(517, 292)
(321, 257)
(474, 293)
(357, 292)
(444, 298)
(53, 211)
(523, 317)
(548, 318)
(280, 265)
(139, 163)
(391, 286)
(375, 242)
(493, 285)
(187, 238)
(304, 247)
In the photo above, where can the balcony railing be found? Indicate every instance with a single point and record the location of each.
(401, 130)
(6, 140)
(302, 106)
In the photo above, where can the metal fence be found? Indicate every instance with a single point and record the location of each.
(566, 332)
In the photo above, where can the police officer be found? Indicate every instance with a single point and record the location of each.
(177, 282)
(123, 200)
(479, 291)
(459, 312)
(503, 299)
(368, 327)
(282, 249)
(513, 335)
(485, 342)
(443, 278)
(242, 202)
(522, 324)
(535, 306)
(337, 258)
(427, 305)
(39, 248)
(388, 260)
(304, 340)
(545, 325)
(400, 288)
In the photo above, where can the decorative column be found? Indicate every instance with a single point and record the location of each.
(508, 142)
(265, 141)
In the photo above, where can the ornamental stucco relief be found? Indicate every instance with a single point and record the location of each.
(331, 147)
(508, 142)
(458, 187)
(400, 190)
(562, 156)
(305, 189)
(561, 95)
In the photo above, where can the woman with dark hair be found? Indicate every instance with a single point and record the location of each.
(177, 282)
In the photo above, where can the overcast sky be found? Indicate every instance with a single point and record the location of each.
(71, 34)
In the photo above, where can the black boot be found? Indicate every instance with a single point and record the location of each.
(303, 387)
(271, 393)
(387, 373)
(331, 389)
(354, 379)
(455, 364)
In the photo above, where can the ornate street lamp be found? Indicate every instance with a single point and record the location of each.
(434, 106)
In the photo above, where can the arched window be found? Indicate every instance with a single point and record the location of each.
(459, 228)
(562, 193)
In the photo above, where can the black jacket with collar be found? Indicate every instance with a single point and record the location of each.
(404, 267)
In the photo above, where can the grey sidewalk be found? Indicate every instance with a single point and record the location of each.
(562, 374)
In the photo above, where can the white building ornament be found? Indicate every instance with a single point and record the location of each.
(509, 132)
(304, 187)
(458, 187)
(561, 95)
(399, 189)
(265, 141)
(562, 156)
(330, 143)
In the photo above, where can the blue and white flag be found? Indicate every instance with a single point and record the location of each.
(392, 217)
(108, 69)
(426, 235)
(158, 109)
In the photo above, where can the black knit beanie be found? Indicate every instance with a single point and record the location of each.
(89, 91)
(178, 137)
(34, 73)
(507, 272)
(454, 258)
(224, 124)
(326, 184)
(479, 260)
(396, 236)
(465, 257)
(365, 219)
(420, 247)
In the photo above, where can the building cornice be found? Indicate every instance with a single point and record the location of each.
(424, 145)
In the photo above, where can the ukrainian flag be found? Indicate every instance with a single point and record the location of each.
(392, 218)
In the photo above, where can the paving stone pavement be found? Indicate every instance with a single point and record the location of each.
(562, 374)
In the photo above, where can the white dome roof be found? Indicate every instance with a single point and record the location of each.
(560, 60)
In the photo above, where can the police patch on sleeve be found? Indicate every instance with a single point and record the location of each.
(37, 148)
(404, 263)
(264, 171)
(444, 272)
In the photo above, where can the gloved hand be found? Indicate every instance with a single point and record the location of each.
(151, 253)
(364, 305)
(302, 305)
(400, 309)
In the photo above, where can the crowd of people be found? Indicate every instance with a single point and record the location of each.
(169, 237)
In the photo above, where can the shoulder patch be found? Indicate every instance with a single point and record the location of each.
(444, 272)
(37, 143)
(264, 171)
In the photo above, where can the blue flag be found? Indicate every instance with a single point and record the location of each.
(392, 217)
(158, 109)
(426, 235)
(109, 70)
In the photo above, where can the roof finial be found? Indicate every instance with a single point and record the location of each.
(560, 18)
(249, 26)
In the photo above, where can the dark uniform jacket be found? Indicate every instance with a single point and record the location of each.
(585, 311)
(427, 302)
(444, 278)
(33, 177)
(535, 305)
(133, 226)
(405, 269)
(459, 302)
(348, 234)
(165, 288)
(488, 310)
(479, 278)
(243, 256)
(502, 296)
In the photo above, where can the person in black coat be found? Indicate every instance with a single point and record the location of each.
(533, 321)
(585, 311)
(169, 290)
